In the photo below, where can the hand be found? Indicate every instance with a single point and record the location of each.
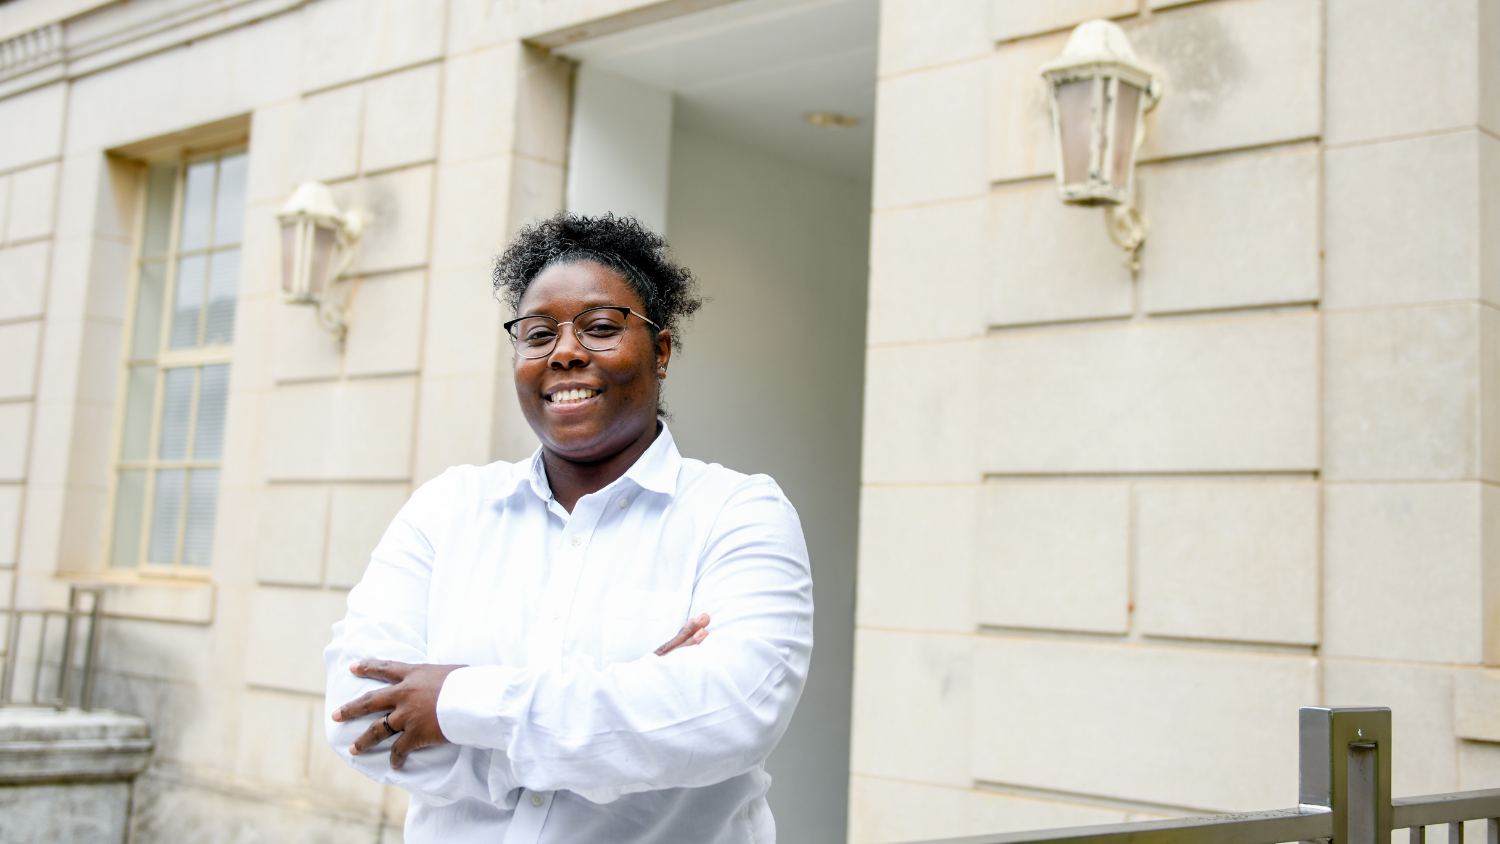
(411, 704)
(692, 633)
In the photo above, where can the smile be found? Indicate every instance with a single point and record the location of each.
(572, 396)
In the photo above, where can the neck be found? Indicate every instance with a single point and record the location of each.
(571, 480)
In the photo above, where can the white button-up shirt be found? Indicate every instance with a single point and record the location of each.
(566, 727)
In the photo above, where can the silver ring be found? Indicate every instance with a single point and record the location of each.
(388, 728)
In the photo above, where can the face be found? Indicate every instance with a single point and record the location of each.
(588, 406)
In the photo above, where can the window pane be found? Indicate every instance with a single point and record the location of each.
(166, 512)
(160, 180)
(187, 304)
(229, 210)
(151, 289)
(197, 205)
(140, 392)
(208, 441)
(177, 403)
(223, 287)
(130, 506)
(203, 500)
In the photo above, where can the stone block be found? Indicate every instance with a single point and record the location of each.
(1489, 66)
(1413, 68)
(1054, 556)
(401, 118)
(399, 205)
(1232, 231)
(1403, 393)
(293, 536)
(84, 812)
(385, 325)
(357, 518)
(177, 810)
(304, 349)
(457, 423)
(472, 201)
(1021, 143)
(23, 280)
(1489, 210)
(1478, 767)
(328, 125)
(1017, 18)
(1403, 571)
(31, 126)
(923, 260)
(544, 106)
(930, 139)
(479, 104)
(1226, 394)
(464, 334)
(150, 649)
(1378, 195)
(15, 439)
(911, 706)
(1476, 705)
(1232, 561)
(915, 34)
(1149, 720)
(536, 192)
(1051, 262)
(332, 775)
(1421, 702)
(19, 344)
(919, 429)
(33, 203)
(353, 430)
(289, 718)
(885, 811)
(10, 523)
(360, 38)
(260, 257)
(1235, 75)
(288, 630)
(274, 153)
(4, 205)
(916, 557)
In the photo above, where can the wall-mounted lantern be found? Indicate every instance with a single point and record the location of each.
(317, 246)
(1100, 92)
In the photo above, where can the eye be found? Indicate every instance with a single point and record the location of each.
(537, 335)
(603, 328)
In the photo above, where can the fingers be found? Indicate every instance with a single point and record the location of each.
(380, 700)
(386, 670)
(692, 633)
(367, 740)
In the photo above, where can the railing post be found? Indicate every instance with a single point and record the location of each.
(1345, 767)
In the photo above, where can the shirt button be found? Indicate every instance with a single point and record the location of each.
(624, 502)
(576, 540)
(537, 799)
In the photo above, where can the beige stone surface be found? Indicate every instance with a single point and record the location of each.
(1421, 702)
(1021, 143)
(33, 201)
(916, 557)
(916, 34)
(19, 344)
(1235, 74)
(543, 107)
(479, 104)
(31, 126)
(1017, 18)
(1478, 767)
(357, 518)
(15, 430)
(1476, 704)
(1054, 556)
(333, 776)
(470, 229)
(11, 496)
(288, 717)
(1489, 65)
(1232, 231)
(886, 811)
(1402, 393)
(328, 129)
(1489, 207)
(399, 205)
(352, 430)
(536, 191)
(287, 633)
(1150, 720)
(922, 260)
(293, 535)
(4, 205)
(303, 349)
(385, 325)
(464, 334)
(1403, 571)
(272, 155)
(1410, 69)
(177, 653)
(23, 278)
(359, 38)
(401, 118)
(929, 136)
(1228, 560)
(1051, 262)
(457, 424)
(919, 429)
(1402, 226)
(911, 706)
(1221, 394)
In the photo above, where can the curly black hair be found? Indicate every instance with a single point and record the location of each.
(621, 243)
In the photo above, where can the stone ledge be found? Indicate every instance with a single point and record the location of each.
(47, 745)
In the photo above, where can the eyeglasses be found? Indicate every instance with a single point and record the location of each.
(597, 329)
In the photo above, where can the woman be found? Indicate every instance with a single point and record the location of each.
(497, 658)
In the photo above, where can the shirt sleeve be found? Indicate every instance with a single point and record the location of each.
(695, 717)
(387, 619)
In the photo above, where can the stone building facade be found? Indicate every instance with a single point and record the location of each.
(1111, 528)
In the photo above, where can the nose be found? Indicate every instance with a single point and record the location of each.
(568, 353)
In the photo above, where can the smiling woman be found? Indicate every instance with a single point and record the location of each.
(500, 645)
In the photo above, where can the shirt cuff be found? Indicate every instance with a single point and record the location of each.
(471, 705)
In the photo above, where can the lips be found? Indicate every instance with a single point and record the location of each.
(572, 395)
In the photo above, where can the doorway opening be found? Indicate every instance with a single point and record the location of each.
(745, 133)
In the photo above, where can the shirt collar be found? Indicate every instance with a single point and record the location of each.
(655, 470)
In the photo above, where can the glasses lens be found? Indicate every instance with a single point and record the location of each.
(600, 330)
(534, 336)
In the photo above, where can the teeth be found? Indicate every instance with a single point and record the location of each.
(566, 396)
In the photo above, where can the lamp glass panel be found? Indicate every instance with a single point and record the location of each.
(1075, 121)
(1127, 114)
(290, 231)
(324, 242)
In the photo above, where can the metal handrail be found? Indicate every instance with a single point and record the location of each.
(10, 658)
(1344, 798)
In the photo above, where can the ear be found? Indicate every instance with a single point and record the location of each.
(663, 351)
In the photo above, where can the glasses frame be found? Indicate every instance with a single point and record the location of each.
(577, 335)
